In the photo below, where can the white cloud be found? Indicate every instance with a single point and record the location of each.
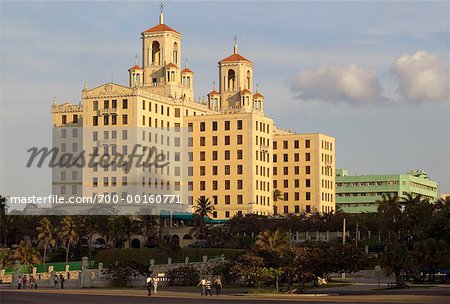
(422, 77)
(348, 84)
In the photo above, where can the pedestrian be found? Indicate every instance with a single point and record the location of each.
(61, 279)
(218, 285)
(24, 281)
(55, 280)
(149, 283)
(208, 287)
(31, 281)
(19, 282)
(155, 283)
(202, 284)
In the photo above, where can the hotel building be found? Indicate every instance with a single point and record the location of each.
(225, 148)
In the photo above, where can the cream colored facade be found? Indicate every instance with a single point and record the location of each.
(221, 148)
(303, 171)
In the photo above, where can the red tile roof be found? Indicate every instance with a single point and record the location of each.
(213, 92)
(245, 91)
(171, 65)
(135, 67)
(258, 95)
(161, 28)
(186, 70)
(235, 57)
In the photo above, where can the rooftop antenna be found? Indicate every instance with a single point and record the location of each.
(161, 14)
(235, 49)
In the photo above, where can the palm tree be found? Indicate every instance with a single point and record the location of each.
(277, 195)
(26, 254)
(68, 234)
(273, 242)
(203, 207)
(45, 235)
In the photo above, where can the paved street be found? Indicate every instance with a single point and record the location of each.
(10, 296)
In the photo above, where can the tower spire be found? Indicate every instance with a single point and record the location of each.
(161, 14)
(235, 49)
(136, 60)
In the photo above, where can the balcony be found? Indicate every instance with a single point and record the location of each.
(264, 148)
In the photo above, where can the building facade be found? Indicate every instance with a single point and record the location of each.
(223, 148)
(361, 193)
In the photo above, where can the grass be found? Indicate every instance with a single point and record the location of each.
(143, 255)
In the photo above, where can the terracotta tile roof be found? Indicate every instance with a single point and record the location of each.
(161, 28)
(245, 91)
(213, 92)
(135, 67)
(258, 95)
(186, 70)
(171, 65)
(235, 57)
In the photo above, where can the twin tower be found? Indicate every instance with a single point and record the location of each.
(161, 73)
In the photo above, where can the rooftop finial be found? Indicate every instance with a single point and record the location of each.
(136, 60)
(214, 85)
(161, 14)
(235, 44)
(185, 63)
(257, 87)
(85, 85)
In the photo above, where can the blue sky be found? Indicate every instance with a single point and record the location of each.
(373, 75)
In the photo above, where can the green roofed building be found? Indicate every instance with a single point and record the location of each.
(360, 193)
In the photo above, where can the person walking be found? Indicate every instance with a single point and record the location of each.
(24, 281)
(61, 280)
(202, 284)
(208, 287)
(19, 282)
(218, 285)
(149, 283)
(55, 280)
(155, 284)
(32, 282)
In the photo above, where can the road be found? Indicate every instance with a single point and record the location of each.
(10, 296)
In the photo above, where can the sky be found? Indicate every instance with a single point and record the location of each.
(374, 75)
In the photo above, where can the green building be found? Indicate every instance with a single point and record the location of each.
(360, 193)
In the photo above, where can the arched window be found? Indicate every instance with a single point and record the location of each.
(156, 53)
(231, 80)
(248, 80)
(175, 53)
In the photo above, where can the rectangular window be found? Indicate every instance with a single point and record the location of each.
(308, 196)
(240, 199)
(214, 140)
(307, 143)
(227, 200)
(239, 169)
(227, 184)
(307, 170)
(95, 105)
(125, 104)
(239, 154)
(227, 125)
(214, 125)
(214, 155)
(95, 121)
(286, 209)
(125, 119)
(114, 104)
(239, 124)
(308, 156)
(227, 155)
(296, 144)
(239, 139)
(202, 127)
(202, 141)
(308, 183)
(297, 209)
(227, 140)
(106, 104)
